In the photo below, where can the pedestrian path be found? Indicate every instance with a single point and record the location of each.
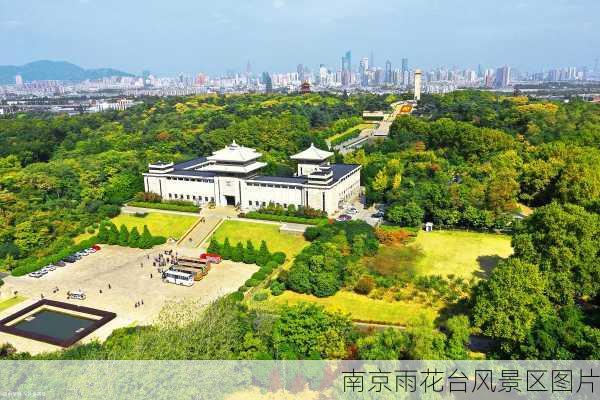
(199, 233)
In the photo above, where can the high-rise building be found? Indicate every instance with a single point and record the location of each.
(266, 80)
(363, 70)
(300, 71)
(388, 72)
(502, 77)
(19, 80)
(372, 59)
(405, 71)
(418, 84)
(347, 68)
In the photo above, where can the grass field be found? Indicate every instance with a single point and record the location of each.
(241, 231)
(463, 254)
(159, 224)
(361, 308)
(8, 303)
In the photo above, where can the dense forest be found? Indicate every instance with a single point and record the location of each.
(467, 160)
(475, 160)
(61, 174)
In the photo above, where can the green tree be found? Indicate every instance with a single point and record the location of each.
(388, 344)
(249, 256)
(308, 331)
(134, 237)
(146, 241)
(564, 240)
(214, 247)
(238, 252)
(410, 214)
(263, 256)
(508, 304)
(103, 233)
(459, 331)
(113, 234)
(226, 250)
(123, 235)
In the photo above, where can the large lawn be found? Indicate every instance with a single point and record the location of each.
(8, 303)
(464, 254)
(361, 308)
(242, 231)
(159, 224)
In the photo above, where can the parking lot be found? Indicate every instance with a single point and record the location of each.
(132, 279)
(357, 211)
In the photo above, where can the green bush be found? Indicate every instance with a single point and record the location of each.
(1, 282)
(267, 269)
(91, 230)
(252, 282)
(278, 258)
(243, 289)
(158, 240)
(165, 206)
(259, 275)
(364, 285)
(284, 218)
(311, 233)
(237, 296)
(260, 296)
(277, 288)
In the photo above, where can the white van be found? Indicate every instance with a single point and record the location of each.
(179, 277)
(77, 295)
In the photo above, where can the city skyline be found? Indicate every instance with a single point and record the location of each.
(277, 35)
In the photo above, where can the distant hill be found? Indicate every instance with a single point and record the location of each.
(54, 70)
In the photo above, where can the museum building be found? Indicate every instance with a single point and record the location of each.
(231, 176)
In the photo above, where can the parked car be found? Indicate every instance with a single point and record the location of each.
(96, 247)
(352, 211)
(50, 267)
(60, 263)
(343, 218)
(378, 214)
(36, 274)
(70, 259)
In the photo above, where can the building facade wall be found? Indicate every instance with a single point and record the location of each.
(253, 194)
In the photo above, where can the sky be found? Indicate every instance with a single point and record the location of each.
(169, 37)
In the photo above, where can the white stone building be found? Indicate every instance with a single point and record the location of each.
(230, 176)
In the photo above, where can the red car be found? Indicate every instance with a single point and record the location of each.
(210, 258)
(96, 247)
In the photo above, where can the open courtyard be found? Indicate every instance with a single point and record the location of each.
(132, 279)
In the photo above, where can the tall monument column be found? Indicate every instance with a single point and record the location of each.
(418, 84)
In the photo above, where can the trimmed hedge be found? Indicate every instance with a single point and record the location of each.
(354, 133)
(284, 218)
(164, 206)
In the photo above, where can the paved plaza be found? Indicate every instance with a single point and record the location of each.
(128, 272)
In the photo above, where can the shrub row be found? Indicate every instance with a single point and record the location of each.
(354, 133)
(165, 206)
(248, 254)
(108, 233)
(284, 218)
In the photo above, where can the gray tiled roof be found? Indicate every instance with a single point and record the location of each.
(190, 163)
